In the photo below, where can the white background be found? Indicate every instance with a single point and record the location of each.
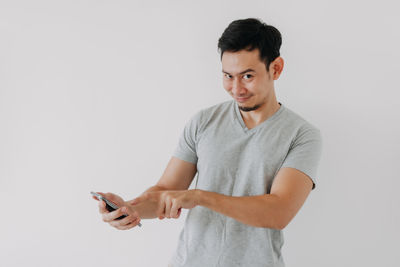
(94, 95)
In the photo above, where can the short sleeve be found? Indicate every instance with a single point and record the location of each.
(305, 153)
(186, 148)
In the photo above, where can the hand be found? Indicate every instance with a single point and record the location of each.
(170, 203)
(131, 220)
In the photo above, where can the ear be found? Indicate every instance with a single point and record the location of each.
(276, 67)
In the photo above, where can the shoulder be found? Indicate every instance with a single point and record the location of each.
(209, 116)
(208, 113)
(217, 108)
(299, 125)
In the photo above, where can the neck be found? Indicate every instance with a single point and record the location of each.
(256, 117)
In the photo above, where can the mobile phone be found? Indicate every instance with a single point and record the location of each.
(110, 206)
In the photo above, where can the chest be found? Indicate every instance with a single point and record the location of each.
(239, 163)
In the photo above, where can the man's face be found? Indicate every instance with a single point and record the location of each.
(246, 79)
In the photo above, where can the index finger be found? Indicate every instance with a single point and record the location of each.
(102, 207)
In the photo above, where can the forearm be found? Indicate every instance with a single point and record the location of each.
(155, 188)
(259, 211)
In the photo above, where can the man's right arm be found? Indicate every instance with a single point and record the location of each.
(178, 175)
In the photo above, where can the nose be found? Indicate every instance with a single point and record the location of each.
(237, 88)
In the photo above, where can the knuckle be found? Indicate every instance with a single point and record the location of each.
(118, 212)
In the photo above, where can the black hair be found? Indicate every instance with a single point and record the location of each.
(251, 34)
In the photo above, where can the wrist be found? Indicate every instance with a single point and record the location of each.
(198, 197)
(129, 205)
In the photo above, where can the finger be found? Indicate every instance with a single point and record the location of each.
(119, 227)
(123, 222)
(126, 220)
(174, 209)
(102, 207)
(179, 212)
(113, 198)
(161, 209)
(129, 226)
(168, 206)
(124, 227)
(135, 222)
(110, 216)
(132, 217)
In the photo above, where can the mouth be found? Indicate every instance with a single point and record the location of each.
(242, 99)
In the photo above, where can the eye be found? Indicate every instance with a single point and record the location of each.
(227, 76)
(247, 76)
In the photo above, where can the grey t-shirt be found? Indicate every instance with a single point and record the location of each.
(236, 161)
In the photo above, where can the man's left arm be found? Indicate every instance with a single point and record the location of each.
(289, 191)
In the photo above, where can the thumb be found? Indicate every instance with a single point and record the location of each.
(113, 198)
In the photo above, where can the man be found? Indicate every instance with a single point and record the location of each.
(256, 162)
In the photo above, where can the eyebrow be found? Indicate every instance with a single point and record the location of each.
(243, 72)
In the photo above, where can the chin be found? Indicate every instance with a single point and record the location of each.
(249, 108)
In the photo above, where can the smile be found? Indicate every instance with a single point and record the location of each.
(242, 99)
